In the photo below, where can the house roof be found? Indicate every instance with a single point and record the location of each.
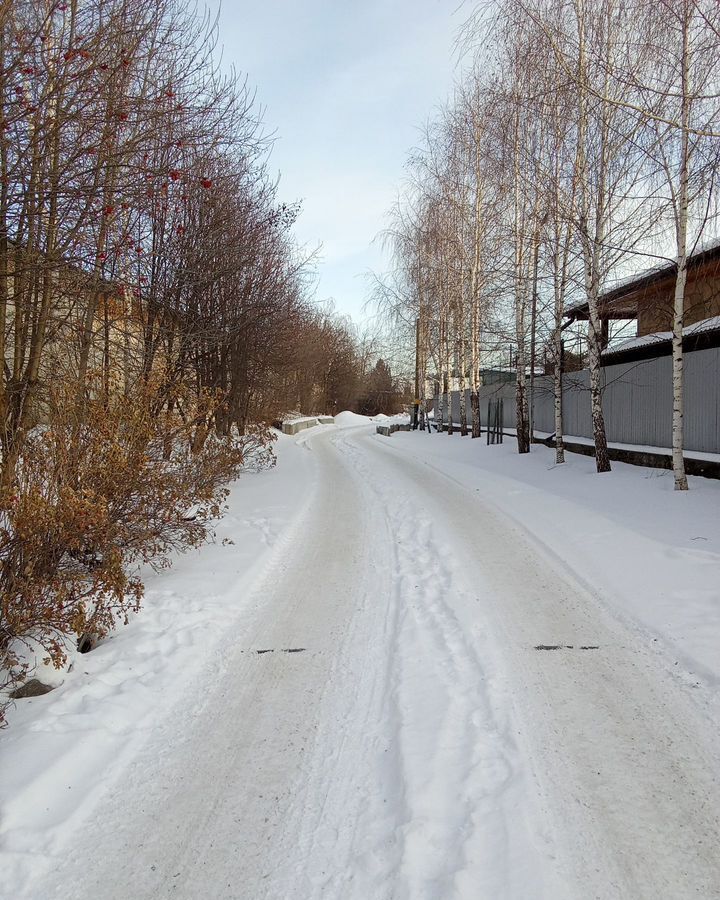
(620, 301)
(699, 336)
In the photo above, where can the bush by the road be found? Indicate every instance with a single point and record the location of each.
(92, 502)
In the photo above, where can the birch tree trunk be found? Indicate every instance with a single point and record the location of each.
(475, 299)
(560, 261)
(423, 373)
(521, 398)
(602, 459)
(475, 369)
(448, 382)
(442, 378)
(557, 398)
(521, 394)
(461, 377)
(592, 244)
(448, 347)
(681, 482)
(560, 275)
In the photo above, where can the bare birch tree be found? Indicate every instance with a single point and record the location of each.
(684, 89)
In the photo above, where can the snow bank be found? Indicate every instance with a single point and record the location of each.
(639, 448)
(32, 658)
(296, 419)
(347, 419)
(400, 418)
(62, 751)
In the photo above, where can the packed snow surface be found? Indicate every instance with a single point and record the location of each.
(424, 669)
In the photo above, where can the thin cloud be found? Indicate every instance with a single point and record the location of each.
(345, 86)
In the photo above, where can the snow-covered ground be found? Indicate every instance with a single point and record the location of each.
(649, 552)
(349, 702)
(65, 749)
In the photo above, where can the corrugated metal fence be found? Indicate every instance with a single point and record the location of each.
(637, 402)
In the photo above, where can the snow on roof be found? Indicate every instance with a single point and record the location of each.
(666, 266)
(659, 268)
(660, 337)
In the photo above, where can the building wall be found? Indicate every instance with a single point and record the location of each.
(702, 300)
(117, 338)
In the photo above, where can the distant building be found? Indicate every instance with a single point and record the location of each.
(498, 375)
(116, 342)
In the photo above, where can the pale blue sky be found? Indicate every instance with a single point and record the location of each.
(345, 85)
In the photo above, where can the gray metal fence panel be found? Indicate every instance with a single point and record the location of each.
(702, 400)
(504, 392)
(543, 404)
(456, 407)
(637, 402)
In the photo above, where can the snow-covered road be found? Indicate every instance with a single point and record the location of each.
(391, 724)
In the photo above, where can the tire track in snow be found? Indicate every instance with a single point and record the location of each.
(457, 763)
(340, 835)
(384, 763)
(624, 763)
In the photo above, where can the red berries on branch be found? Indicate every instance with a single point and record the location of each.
(72, 54)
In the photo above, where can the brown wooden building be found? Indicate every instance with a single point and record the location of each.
(648, 298)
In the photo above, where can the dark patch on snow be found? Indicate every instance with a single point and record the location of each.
(294, 650)
(87, 642)
(31, 688)
(264, 651)
(565, 647)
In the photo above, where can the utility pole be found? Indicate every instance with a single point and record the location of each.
(416, 400)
